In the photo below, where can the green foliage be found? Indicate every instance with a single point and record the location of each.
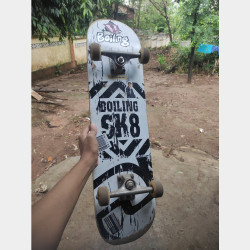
(174, 44)
(162, 60)
(206, 29)
(82, 67)
(203, 63)
(55, 17)
(97, 9)
(64, 18)
(199, 24)
(58, 70)
(151, 19)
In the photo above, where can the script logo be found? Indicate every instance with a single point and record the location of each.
(110, 34)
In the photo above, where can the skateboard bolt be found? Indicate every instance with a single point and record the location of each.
(120, 60)
(130, 184)
(132, 176)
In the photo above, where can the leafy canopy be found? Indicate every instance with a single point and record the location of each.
(64, 18)
(206, 29)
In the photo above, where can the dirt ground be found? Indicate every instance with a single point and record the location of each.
(187, 216)
(179, 114)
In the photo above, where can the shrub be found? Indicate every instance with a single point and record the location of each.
(58, 70)
(162, 60)
(203, 63)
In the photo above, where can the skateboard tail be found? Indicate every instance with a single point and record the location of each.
(119, 241)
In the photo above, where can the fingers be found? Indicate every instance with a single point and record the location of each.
(85, 132)
(93, 128)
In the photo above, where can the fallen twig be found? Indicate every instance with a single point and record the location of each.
(48, 90)
(51, 103)
(47, 111)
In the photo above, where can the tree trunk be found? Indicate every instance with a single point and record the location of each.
(167, 20)
(191, 60)
(139, 14)
(190, 66)
(116, 10)
(169, 30)
(164, 13)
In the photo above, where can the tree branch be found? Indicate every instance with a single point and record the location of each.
(157, 7)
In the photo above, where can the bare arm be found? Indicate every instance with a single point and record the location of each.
(51, 214)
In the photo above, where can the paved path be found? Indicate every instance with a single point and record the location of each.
(187, 216)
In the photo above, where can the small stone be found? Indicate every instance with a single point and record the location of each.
(201, 130)
(157, 143)
(42, 188)
(167, 151)
(44, 160)
(181, 159)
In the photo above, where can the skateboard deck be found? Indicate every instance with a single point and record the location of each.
(118, 108)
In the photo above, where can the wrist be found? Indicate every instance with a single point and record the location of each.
(88, 162)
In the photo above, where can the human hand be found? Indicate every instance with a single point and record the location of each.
(88, 146)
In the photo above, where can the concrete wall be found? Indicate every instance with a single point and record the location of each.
(185, 43)
(80, 50)
(154, 41)
(46, 54)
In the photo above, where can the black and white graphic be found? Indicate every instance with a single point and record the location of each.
(103, 142)
(112, 223)
(118, 108)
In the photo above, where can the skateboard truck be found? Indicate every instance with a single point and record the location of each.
(127, 189)
(119, 58)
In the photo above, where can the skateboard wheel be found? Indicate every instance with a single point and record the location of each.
(95, 52)
(157, 189)
(103, 196)
(145, 55)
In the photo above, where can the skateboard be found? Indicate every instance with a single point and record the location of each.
(124, 188)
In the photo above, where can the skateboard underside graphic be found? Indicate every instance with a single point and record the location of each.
(124, 189)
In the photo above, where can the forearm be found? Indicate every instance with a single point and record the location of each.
(51, 214)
